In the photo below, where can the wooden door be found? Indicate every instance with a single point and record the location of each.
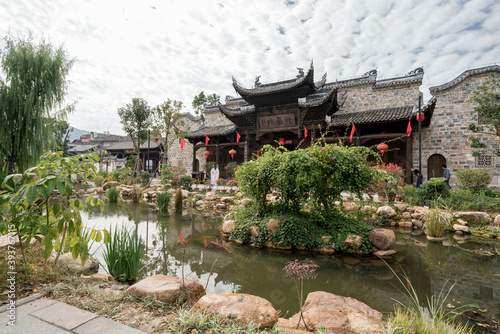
(434, 166)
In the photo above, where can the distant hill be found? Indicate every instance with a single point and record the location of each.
(76, 134)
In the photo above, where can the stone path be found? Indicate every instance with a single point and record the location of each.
(43, 316)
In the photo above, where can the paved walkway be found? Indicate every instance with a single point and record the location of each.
(35, 315)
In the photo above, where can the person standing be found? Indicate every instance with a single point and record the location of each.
(418, 175)
(446, 174)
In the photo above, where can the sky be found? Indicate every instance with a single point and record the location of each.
(174, 49)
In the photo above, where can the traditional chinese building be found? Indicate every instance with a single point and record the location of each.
(381, 110)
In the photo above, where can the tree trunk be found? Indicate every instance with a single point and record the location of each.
(12, 164)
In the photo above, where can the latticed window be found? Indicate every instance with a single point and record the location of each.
(484, 161)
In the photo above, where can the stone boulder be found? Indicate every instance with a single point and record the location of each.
(110, 184)
(401, 207)
(420, 212)
(382, 238)
(406, 215)
(474, 216)
(166, 289)
(354, 241)
(366, 208)
(462, 228)
(386, 253)
(228, 226)
(221, 207)
(246, 201)
(336, 312)
(211, 196)
(254, 230)
(227, 200)
(240, 307)
(386, 211)
(273, 225)
(404, 224)
(91, 265)
(497, 220)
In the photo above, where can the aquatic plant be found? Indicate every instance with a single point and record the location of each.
(301, 270)
(122, 255)
(163, 200)
(136, 193)
(436, 223)
(113, 194)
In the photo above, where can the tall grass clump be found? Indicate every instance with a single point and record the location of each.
(122, 255)
(178, 200)
(136, 193)
(113, 194)
(436, 223)
(412, 317)
(163, 200)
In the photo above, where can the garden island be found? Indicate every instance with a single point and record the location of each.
(289, 209)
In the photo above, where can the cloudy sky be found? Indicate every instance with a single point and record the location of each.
(176, 48)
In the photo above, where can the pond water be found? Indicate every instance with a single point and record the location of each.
(244, 269)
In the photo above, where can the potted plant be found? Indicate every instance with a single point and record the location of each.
(436, 223)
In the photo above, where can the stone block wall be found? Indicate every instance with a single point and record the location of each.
(447, 134)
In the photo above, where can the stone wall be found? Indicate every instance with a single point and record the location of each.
(447, 134)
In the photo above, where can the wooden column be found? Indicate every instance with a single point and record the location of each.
(217, 153)
(313, 136)
(194, 158)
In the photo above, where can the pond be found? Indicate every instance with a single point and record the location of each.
(473, 266)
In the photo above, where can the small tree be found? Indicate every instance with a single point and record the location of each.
(201, 100)
(487, 101)
(167, 125)
(135, 118)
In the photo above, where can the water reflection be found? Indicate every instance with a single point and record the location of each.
(260, 272)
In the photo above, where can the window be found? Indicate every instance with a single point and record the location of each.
(484, 161)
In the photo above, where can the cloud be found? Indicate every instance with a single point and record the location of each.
(178, 48)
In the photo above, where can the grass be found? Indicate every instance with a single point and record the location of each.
(193, 321)
(122, 255)
(436, 223)
(113, 194)
(433, 318)
(178, 201)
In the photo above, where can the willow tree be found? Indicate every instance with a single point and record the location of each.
(135, 118)
(167, 125)
(31, 96)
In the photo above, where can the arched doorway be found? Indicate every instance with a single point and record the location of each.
(434, 166)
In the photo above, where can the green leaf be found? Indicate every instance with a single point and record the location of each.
(32, 194)
(98, 236)
(75, 251)
(92, 234)
(57, 244)
(73, 242)
(52, 233)
(61, 187)
(107, 236)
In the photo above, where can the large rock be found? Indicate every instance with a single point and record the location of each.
(246, 201)
(386, 211)
(228, 226)
(462, 228)
(227, 200)
(420, 213)
(273, 225)
(337, 312)
(382, 238)
(166, 289)
(474, 216)
(91, 265)
(497, 220)
(240, 307)
(354, 241)
(110, 184)
(401, 207)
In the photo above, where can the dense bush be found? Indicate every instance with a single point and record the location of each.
(186, 181)
(473, 179)
(145, 179)
(429, 192)
(321, 172)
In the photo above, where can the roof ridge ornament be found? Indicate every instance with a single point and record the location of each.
(418, 70)
(371, 73)
(257, 81)
(301, 72)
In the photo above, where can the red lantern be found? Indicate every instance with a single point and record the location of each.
(156, 139)
(207, 154)
(382, 147)
(281, 141)
(420, 115)
(384, 131)
(232, 153)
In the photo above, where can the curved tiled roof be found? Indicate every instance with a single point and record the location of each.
(219, 130)
(372, 116)
(463, 76)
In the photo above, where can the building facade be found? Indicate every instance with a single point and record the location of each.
(382, 111)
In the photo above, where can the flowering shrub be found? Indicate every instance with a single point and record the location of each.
(231, 168)
(232, 183)
(172, 174)
(208, 167)
(388, 178)
(221, 182)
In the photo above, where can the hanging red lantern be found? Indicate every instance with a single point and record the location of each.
(420, 115)
(382, 147)
(156, 139)
(207, 154)
(281, 141)
(232, 153)
(258, 153)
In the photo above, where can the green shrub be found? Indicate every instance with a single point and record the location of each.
(145, 179)
(473, 179)
(113, 194)
(433, 189)
(178, 201)
(466, 200)
(186, 181)
(122, 255)
(99, 180)
(163, 200)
